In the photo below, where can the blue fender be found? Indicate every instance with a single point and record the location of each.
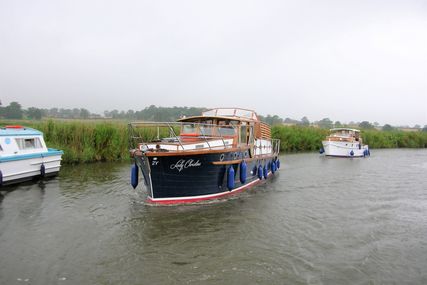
(254, 170)
(42, 170)
(265, 171)
(243, 169)
(260, 172)
(273, 167)
(230, 178)
(134, 176)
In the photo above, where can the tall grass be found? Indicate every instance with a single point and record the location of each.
(395, 139)
(85, 141)
(298, 138)
(91, 141)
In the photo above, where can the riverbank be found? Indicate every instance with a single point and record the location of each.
(91, 141)
(299, 138)
(84, 141)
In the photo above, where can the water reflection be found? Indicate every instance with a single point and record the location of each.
(76, 180)
(92, 173)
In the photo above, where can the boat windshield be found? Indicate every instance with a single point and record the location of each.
(343, 133)
(188, 128)
(231, 112)
(223, 128)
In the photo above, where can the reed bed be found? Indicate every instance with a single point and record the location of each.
(299, 138)
(84, 141)
(92, 141)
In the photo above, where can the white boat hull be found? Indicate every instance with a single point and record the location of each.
(344, 149)
(18, 170)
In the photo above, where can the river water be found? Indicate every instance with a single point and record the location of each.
(318, 221)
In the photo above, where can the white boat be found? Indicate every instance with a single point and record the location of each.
(24, 155)
(344, 142)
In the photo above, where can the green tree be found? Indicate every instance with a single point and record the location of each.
(325, 123)
(387, 127)
(366, 125)
(13, 111)
(273, 120)
(34, 113)
(305, 121)
(84, 114)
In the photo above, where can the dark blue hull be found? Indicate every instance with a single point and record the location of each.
(192, 178)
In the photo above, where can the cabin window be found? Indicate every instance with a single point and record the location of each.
(244, 133)
(189, 128)
(31, 143)
(206, 128)
(1, 149)
(225, 128)
(226, 131)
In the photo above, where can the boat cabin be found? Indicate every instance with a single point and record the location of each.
(239, 125)
(344, 134)
(213, 129)
(17, 140)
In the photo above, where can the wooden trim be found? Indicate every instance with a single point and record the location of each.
(257, 130)
(341, 139)
(193, 152)
(265, 131)
(228, 162)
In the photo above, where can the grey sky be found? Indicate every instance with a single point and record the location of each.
(346, 60)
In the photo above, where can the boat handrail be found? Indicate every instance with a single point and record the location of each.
(170, 126)
(216, 132)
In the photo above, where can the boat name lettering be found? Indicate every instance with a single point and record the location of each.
(183, 164)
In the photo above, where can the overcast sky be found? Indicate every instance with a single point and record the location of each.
(345, 60)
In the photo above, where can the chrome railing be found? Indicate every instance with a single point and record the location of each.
(146, 133)
(172, 132)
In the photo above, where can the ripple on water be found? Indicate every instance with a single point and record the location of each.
(318, 221)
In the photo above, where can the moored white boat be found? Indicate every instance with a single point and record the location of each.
(24, 155)
(344, 142)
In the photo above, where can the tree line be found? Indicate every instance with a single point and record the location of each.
(152, 113)
(15, 111)
(168, 114)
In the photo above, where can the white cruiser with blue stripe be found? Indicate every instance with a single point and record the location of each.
(24, 155)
